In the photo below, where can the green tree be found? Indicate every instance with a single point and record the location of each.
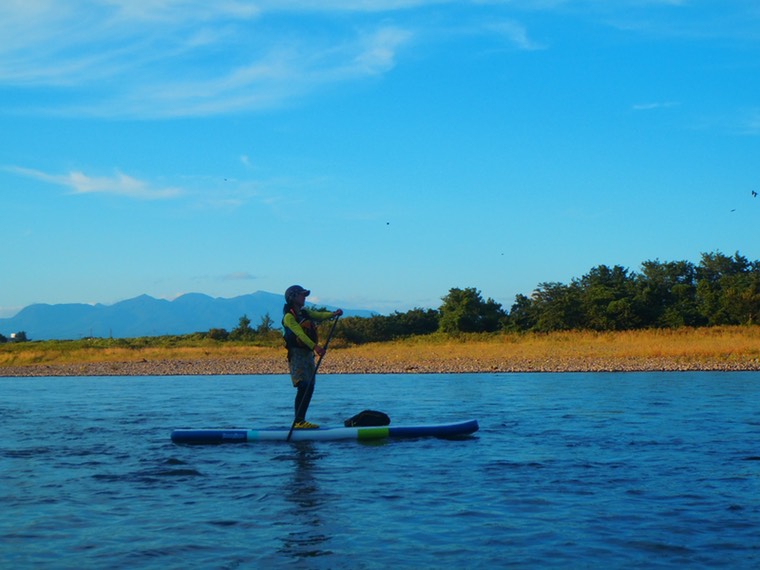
(265, 326)
(418, 321)
(218, 334)
(557, 307)
(243, 331)
(379, 328)
(728, 289)
(464, 310)
(523, 314)
(666, 294)
(606, 296)
(353, 329)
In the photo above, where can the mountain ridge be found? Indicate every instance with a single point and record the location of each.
(146, 316)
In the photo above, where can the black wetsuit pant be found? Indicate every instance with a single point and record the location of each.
(302, 370)
(305, 390)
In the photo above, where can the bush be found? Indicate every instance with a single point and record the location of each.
(218, 334)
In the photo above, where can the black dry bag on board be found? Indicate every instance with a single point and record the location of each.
(368, 418)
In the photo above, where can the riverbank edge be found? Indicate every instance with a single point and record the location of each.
(354, 365)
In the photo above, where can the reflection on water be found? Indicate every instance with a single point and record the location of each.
(307, 502)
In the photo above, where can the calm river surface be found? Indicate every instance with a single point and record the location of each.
(655, 470)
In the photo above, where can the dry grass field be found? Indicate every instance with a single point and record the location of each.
(717, 348)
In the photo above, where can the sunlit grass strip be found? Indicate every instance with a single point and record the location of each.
(681, 342)
(54, 353)
(726, 347)
(709, 348)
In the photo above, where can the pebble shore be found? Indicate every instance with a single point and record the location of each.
(343, 363)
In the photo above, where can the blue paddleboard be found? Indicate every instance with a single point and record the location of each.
(217, 436)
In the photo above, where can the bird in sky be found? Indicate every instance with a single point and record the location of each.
(754, 194)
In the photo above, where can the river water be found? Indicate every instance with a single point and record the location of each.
(654, 470)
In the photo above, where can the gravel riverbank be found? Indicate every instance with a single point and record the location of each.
(346, 363)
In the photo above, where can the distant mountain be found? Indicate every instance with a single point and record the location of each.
(146, 316)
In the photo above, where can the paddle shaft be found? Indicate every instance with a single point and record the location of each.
(314, 376)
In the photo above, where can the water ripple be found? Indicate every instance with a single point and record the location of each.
(573, 470)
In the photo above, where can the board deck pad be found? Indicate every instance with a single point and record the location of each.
(235, 435)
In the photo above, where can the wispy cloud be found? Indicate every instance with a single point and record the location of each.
(516, 34)
(377, 51)
(119, 184)
(239, 276)
(654, 105)
(179, 58)
(346, 5)
(283, 72)
(172, 10)
(151, 58)
(683, 20)
(753, 123)
(7, 312)
(745, 122)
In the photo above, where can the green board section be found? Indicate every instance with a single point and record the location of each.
(373, 432)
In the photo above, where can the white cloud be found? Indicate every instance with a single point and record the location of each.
(346, 5)
(173, 58)
(120, 184)
(745, 122)
(654, 105)
(239, 276)
(168, 58)
(516, 34)
(378, 50)
(8, 312)
(173, 10)
(283, 72)
(753, 123)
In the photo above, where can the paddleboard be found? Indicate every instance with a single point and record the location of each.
(217, 436)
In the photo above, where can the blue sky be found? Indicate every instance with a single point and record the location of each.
(378, 153)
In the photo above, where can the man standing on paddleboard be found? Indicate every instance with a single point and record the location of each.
(300, 331)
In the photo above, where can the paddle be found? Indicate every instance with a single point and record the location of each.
(314, 376)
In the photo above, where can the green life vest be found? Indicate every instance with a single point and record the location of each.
(307, 324)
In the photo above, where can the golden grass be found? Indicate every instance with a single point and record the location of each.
(35, 354)
(707, 348)
(703, 348)
(704, 342)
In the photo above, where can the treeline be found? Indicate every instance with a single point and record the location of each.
(16, 337)
(720, 290)
(244, 332)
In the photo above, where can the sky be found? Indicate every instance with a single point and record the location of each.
(379, 153)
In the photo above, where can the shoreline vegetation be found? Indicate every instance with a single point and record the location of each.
(672, 316)
(725, 348)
